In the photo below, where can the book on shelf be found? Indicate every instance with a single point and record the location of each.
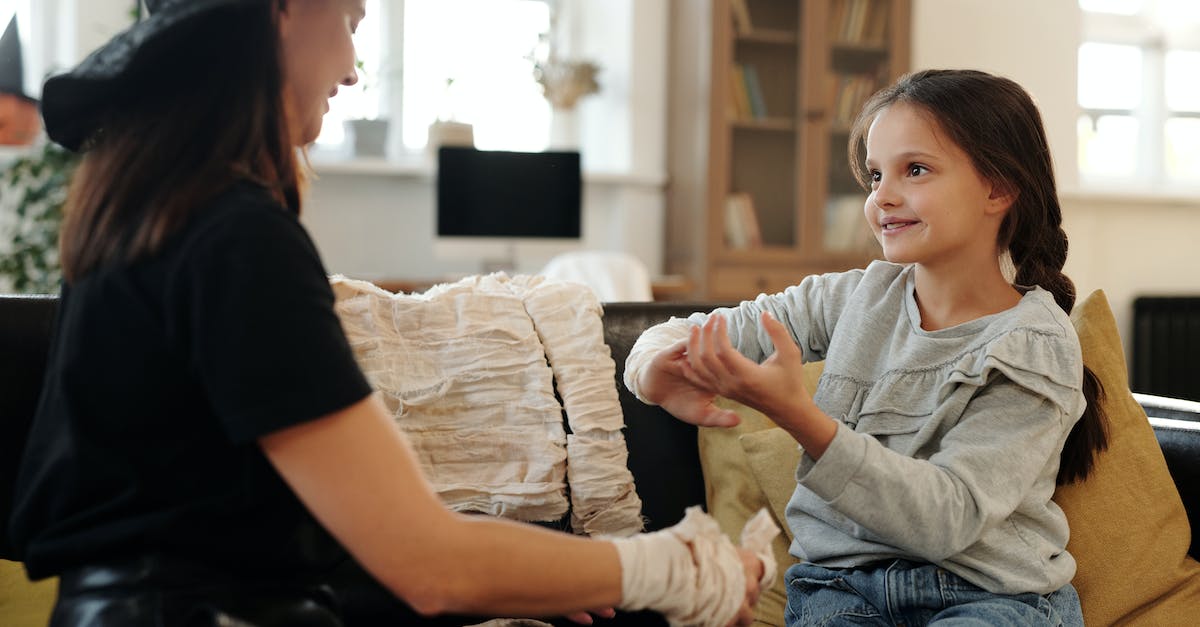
(850, 93)
(742, 110)
(860, 21)
(875, 32)
(758, 105)
(741, 222)
(845, 226)
(741, 17)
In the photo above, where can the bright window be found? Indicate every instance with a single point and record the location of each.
(467, 60)
(1139, 100)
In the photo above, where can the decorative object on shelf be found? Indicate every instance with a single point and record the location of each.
(367, 134)
(741, 222)
(367, 137)
(33, 189)
(447, 130)
(565, 81)
(450, 133)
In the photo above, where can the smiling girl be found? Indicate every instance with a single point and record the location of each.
(952, 400)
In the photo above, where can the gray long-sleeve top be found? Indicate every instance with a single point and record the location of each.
(948, 441)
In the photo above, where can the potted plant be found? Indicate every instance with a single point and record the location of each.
(367, 134)
(33, 189)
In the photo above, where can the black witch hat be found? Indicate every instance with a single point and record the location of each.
(12, 63)
(73, 103)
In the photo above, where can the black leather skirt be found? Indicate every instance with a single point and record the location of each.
(154, 591)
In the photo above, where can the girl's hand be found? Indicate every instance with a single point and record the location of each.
(665, 381)
(775, 387)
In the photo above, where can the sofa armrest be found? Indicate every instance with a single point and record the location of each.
(24, 345)
(1180, 443)
(1167, 407)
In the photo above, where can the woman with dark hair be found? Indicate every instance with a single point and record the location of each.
(953, 398)
(206, 450)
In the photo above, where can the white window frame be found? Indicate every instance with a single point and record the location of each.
(1144, 32)
(391, 91)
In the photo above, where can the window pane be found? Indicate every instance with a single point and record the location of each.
(1183, 149)
(1183, 90)
(470, 60)
(1108, 148)
(1121, 7)
(363, 99)
(1177, 14)
(1110, 76)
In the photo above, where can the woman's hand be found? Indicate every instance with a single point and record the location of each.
(666, 382)
(753, 568)
(585, 618)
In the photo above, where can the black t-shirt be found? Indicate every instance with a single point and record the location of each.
(162, 375)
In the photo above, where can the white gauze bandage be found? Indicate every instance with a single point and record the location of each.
(652, 342)
(691, 572)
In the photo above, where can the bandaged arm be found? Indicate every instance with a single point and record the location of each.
(691, 572)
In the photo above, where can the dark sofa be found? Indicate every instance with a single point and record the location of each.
(663, 454)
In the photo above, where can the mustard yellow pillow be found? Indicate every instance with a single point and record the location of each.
(1129, 531)
(733, 496)
(773, 456)
(733, 489)
(24, 603)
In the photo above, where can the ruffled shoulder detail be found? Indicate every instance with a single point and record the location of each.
(1039, 358)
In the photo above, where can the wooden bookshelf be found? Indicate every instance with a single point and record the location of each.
(779, 137)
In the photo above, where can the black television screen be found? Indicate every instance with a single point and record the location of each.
(483, 193)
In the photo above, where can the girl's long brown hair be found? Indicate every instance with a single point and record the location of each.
(200, 109)
(998, 125)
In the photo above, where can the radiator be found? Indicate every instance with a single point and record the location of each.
(1166, 346)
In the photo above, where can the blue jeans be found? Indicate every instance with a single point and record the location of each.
(910, 593)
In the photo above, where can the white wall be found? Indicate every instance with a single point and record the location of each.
(1132, 246)
(90, 23)
(1033, 42)
(1127, 245)
(382, 227)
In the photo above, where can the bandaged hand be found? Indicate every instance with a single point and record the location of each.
(692, 573)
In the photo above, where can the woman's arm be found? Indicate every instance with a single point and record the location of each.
(357, 473)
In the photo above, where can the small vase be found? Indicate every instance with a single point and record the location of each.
(367, 138)
(448, 133)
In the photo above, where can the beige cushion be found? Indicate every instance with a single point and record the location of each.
(1129, 531)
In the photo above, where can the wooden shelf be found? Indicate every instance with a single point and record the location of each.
(769, 37)
(764, 124)
(860, 48)
(810, 66)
